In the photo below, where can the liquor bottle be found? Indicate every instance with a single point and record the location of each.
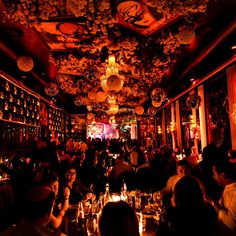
(79, 212)
(107, 196)
(124, 196)
(80, 218)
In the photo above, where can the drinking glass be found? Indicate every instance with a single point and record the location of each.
(91, 226)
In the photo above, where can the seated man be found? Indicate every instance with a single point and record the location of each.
(225, 175)
(183, 168)
(38, 214)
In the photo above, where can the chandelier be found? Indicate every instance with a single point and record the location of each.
(113, 110)
(112, 81)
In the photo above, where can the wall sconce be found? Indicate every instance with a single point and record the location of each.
(159, 129)
(172, 126)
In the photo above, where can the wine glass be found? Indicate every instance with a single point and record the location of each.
(148, 196)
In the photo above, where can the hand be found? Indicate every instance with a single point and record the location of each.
(66, 193)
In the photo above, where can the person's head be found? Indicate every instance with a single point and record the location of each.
(188, 193)
(183, 168)
(118, 218)
(217, 136)
(40, 204)
(51, 180)
(70, 174)
(224, 172)
(187, 152)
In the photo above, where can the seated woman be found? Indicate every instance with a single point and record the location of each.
(190, 215)
(51, 180)
(77, 189)
(117, 219)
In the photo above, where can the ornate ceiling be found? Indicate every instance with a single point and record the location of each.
(146, 37)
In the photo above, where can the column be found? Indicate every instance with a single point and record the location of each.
(178, 125)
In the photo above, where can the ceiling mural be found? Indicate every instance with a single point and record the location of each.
(143, 37)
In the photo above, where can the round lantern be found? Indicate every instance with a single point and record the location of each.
(158, 94)
(156, 104)
(193, 101)
(186, 35)
(101, 96)
(90, 116)
(92, 95)
(78, 101)
(139, 110)
(25, 63)
(115, 83)
(52, 90)
(152, 111)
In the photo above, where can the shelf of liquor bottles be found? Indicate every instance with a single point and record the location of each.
(18, 105)
(56, 120)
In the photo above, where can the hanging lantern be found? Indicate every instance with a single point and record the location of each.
(139, 110)
(25, 63)
(92, 95)
(101, 97)
(151, 111)
(78, 101)
(115, 83)
(193, 101)
(52, 90)
(156, 104)
(158, 94)
(186, 35)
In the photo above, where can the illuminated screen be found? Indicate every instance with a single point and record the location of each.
(102, 131)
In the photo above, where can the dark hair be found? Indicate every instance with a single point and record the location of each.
(50, 177)
(187, 152)
(117, 219)
(188, 193)
(229, 169)
(184, 163)
(40, 202)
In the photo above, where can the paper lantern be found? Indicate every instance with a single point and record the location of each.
(193, 101)
(156, 104)
(78, 101)
(115, 83)
(139, 110)
(151, 111)
(186, 35)
(101, 96)
(92, 95)
(90, 116)
(25, 63)
(158, 94)
(52, 89)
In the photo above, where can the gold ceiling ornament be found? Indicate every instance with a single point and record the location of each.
(25, 63)
(112, 81)
(113, 110)
(139, 110)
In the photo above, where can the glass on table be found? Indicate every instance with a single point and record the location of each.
(91, 226)
(157, 198)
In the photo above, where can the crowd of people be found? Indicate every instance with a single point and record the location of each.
(201, 193)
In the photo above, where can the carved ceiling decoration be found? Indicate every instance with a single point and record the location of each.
(145, 36)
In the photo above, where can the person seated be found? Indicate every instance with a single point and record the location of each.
(51, 180)
(190, 214)
(224, 173)
(118, 218)
(183, 168)
(38, 214)
(77, 189)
